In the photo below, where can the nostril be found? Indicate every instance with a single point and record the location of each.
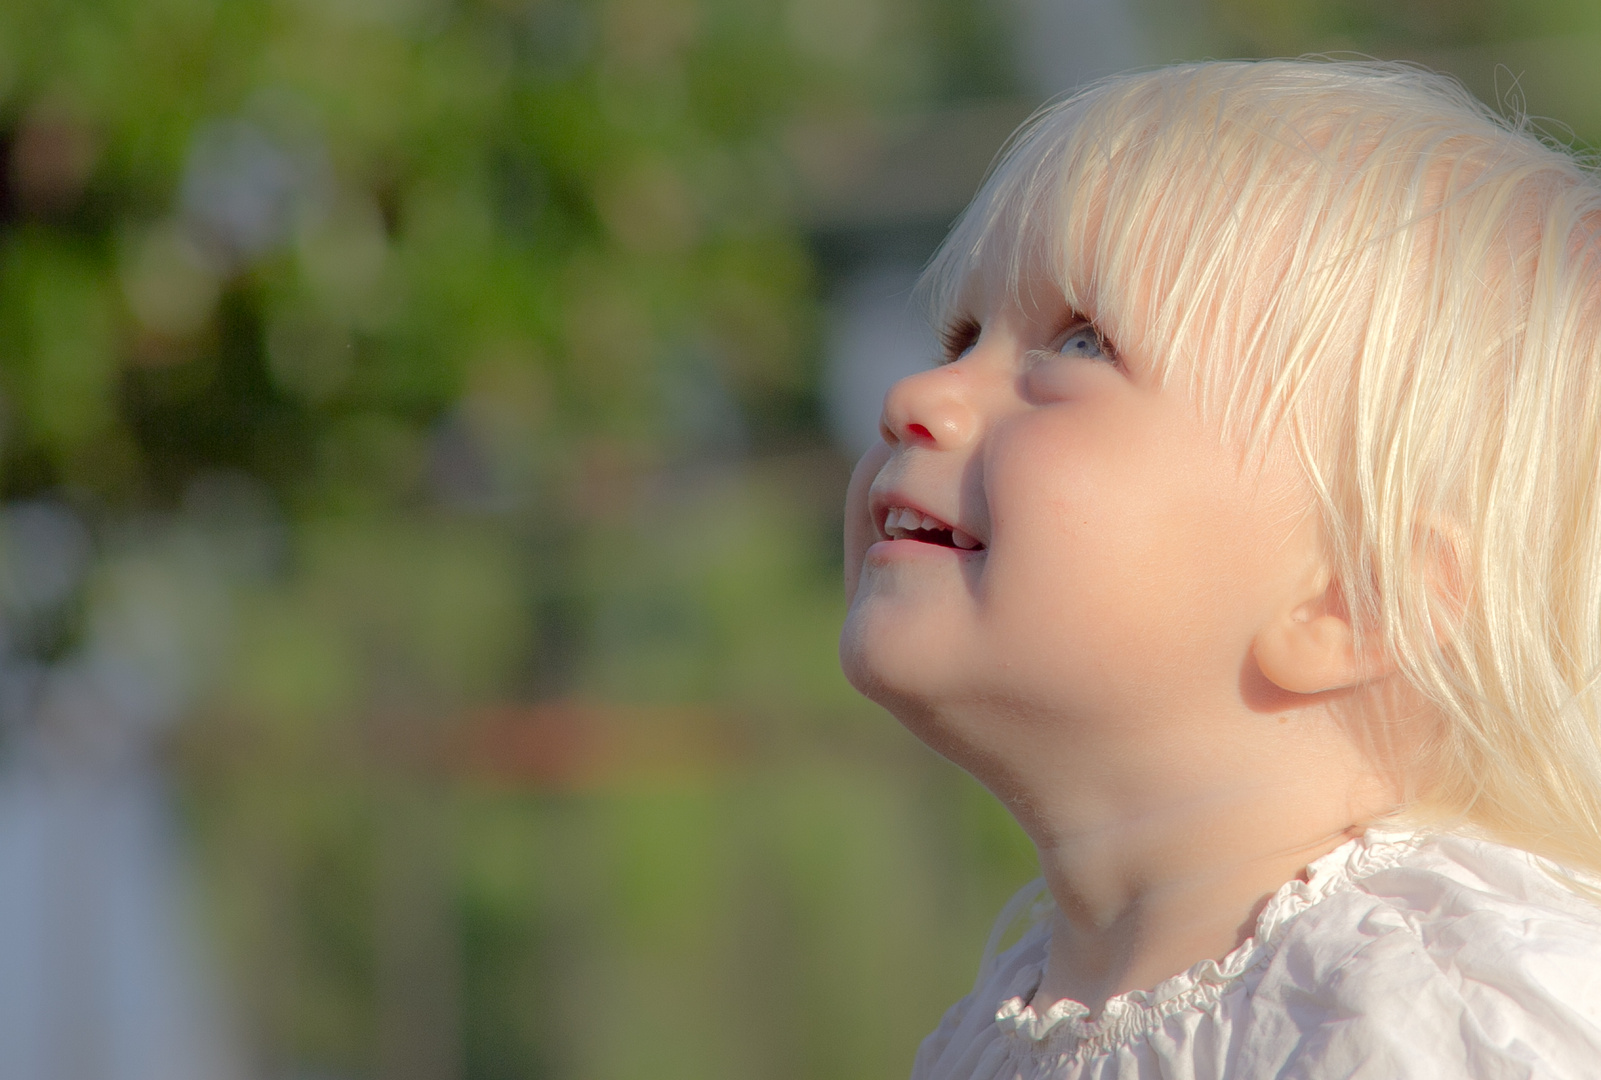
(920, 431)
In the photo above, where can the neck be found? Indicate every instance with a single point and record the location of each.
(1156, 869)
(1128, 918)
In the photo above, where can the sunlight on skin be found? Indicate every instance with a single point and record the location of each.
(1098, 662)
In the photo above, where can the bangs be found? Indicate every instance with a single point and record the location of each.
(1228, 223)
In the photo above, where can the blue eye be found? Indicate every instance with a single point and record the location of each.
(1084, 343)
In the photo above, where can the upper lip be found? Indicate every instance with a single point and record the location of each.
(883, 504)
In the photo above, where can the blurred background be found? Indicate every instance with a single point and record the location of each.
(423, 428)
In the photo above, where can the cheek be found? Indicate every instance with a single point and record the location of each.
(1066, 541)
(1120, 546)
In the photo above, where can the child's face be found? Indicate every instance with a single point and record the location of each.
(1102, 559)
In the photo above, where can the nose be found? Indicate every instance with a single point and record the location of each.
(931, 409)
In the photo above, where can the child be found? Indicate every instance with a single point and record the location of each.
(1247, 546)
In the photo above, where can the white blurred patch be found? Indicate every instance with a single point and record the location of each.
(1064, 44)
(877, 335)
(44, 551)
(101, 973)
(241, 187)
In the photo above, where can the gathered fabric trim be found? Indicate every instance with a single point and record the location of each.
(1065, 1028)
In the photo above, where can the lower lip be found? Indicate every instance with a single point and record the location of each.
(886, 550)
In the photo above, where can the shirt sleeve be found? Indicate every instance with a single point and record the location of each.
(1475, 964)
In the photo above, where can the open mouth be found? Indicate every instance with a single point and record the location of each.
(902, 523)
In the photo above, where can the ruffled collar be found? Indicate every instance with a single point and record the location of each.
(1065, 1027)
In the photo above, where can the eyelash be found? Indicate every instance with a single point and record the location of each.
(957, 337)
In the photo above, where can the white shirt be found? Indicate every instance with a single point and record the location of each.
(1400, 956)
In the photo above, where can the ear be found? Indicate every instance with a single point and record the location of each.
(1309, 647)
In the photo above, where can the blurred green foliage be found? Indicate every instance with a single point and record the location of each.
(481, 336)
(484, 336)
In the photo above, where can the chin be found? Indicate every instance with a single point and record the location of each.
(901, 672)
(912, 684)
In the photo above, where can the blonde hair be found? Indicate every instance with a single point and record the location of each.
(1364, 258)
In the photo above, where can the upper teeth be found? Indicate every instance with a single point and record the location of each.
(901, 520)
(904, 520)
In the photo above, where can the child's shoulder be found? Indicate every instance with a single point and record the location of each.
(1459, 952)
(1397, 956)
(1465, 902)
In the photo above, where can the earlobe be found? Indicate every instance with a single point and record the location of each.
(1308, 656)
(1311, 648)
